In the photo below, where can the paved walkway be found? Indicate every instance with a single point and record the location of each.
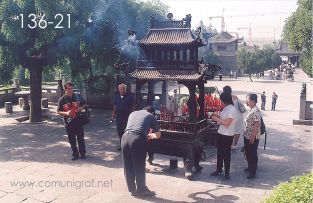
(40, 154)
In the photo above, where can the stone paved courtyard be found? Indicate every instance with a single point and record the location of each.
(40, 154)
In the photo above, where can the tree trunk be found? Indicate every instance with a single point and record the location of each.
(250, 77)
(35, 93)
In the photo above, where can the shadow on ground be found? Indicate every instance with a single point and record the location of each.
(284, 157)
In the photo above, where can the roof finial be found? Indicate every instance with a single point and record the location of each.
(170, 16)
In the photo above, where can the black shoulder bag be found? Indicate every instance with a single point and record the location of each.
(84, 115)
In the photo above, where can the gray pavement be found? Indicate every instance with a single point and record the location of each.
(40, 154)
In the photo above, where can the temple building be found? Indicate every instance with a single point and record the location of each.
(225, 46)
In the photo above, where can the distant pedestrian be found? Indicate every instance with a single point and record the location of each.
(274, 100)
(123, 106)
(263, 99)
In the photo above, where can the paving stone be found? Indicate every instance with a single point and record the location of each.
(42, 153)
(3, 194)
(46, 195)
(31, 200)
(13, 198)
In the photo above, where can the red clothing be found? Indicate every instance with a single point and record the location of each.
(209, 102)
(217, 103)
(184, 109)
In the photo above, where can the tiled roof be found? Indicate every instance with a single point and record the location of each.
(223, 37)
(169, 36)
(166, 74)
(285, 49)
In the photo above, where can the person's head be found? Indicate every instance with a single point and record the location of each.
(252, 99)
(122, 89)
(226, 99)
(227, 89)
(149, 109)
(68, 88)
(263, 92)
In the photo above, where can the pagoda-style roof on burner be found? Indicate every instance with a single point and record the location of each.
(177, 74)
(166, 74)
(171, 33)
(169, 36)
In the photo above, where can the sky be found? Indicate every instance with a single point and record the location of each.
(265, 16)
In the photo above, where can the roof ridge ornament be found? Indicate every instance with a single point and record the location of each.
(187, 21)
(170, 16)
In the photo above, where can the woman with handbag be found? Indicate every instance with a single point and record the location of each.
(252, 133)
(226, 119)
(240, 109)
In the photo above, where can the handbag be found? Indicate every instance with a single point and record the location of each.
(84, 116)
(241, 107)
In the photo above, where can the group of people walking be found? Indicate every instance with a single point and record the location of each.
(231, 126)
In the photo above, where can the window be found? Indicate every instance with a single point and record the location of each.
(188, 54)
(181, 55)
(221, 47)
(162, 56)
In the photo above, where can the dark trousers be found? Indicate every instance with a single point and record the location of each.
(76, 132)
(121, 123)
(134, 158)
(273, 105)
(224, 152)
(263, 105)
(251, 151)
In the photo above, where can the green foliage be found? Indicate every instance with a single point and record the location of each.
(299, 189)
(7, 65)
(257, 61)
(211, 58)
(298, 33)
(95, 41)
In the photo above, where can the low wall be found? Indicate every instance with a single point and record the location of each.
(309, 110)
(7, 94)
(52, 93)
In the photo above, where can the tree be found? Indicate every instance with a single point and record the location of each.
(298, 33)
(92, 43)
(245, 61)
(257, 61)
(211, 58)
(25, 32)
(275, 60)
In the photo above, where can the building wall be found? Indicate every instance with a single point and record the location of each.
(227, 57)
(231, 48)
(229, 63)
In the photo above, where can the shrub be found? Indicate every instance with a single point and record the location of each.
(299, 189)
